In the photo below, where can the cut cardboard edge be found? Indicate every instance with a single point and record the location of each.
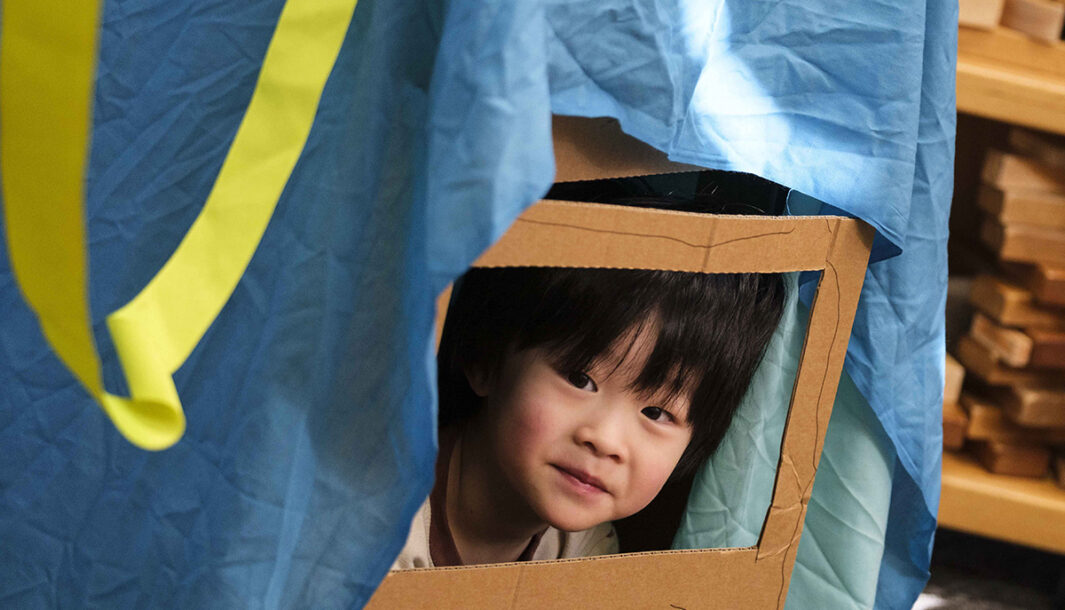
(843, 255)
(833, 308)
(594, 235)
(558, 234)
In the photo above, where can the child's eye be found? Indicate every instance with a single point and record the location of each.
(581, 381)
(657, 414)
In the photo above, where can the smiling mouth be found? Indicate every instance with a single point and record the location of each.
(583, 481)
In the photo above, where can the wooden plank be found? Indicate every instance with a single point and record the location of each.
(1012, 49)
(1049, 284)
(1045, 282)
(1013, 509)
(954, 375)
(1007, 345)
(1011, 305)
(988, 422)
(990, 89)
(1059, 470)
(984, 14)
(1048, 349)
(980, 363)
(1037, 146)
(1015, 460)
(1040, 19)
(1024, 243)
(955, 423)
(1035, 406)
(1023, 207)
(1008, 171)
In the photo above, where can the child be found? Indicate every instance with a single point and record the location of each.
(568, 397)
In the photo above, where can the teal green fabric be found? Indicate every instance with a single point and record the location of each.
(846, 521)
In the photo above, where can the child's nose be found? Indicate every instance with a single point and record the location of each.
(603, 437)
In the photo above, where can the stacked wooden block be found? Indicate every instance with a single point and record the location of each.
(1039, 19)
(1013, 408)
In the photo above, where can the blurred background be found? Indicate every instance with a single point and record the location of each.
(1001, 536)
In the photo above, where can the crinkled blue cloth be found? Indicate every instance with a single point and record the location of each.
(310, 401)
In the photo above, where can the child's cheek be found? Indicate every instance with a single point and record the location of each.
(651, 474)
(531, 423)
(534, 418)
(646, 485)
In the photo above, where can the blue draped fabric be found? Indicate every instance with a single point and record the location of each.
(311, 399)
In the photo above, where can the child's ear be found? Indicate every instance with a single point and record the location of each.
(478, 378)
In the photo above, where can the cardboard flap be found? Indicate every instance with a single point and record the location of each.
(595, 149)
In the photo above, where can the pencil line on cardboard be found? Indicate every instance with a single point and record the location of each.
(819, 442)
(666, 237)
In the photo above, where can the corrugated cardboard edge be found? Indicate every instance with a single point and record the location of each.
(586, 235)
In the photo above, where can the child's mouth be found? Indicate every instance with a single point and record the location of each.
(581, 481)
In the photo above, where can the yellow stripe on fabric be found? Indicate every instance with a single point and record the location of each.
(156, 331)
(47, 52)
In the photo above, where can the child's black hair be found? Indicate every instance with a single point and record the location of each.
(712, 332)
(712, 329)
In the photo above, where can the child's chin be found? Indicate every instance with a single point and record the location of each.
(572, 523)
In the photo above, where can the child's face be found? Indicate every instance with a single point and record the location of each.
(579, 448)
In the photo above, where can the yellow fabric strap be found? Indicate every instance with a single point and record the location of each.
(47, 59)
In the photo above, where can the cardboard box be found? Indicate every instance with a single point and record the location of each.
(553, 233)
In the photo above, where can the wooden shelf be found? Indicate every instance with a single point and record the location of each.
(1023, 511)
(1006, 76)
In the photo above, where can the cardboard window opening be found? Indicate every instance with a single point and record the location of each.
(570, 234)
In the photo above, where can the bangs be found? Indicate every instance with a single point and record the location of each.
(668, 307)
(709, 331)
